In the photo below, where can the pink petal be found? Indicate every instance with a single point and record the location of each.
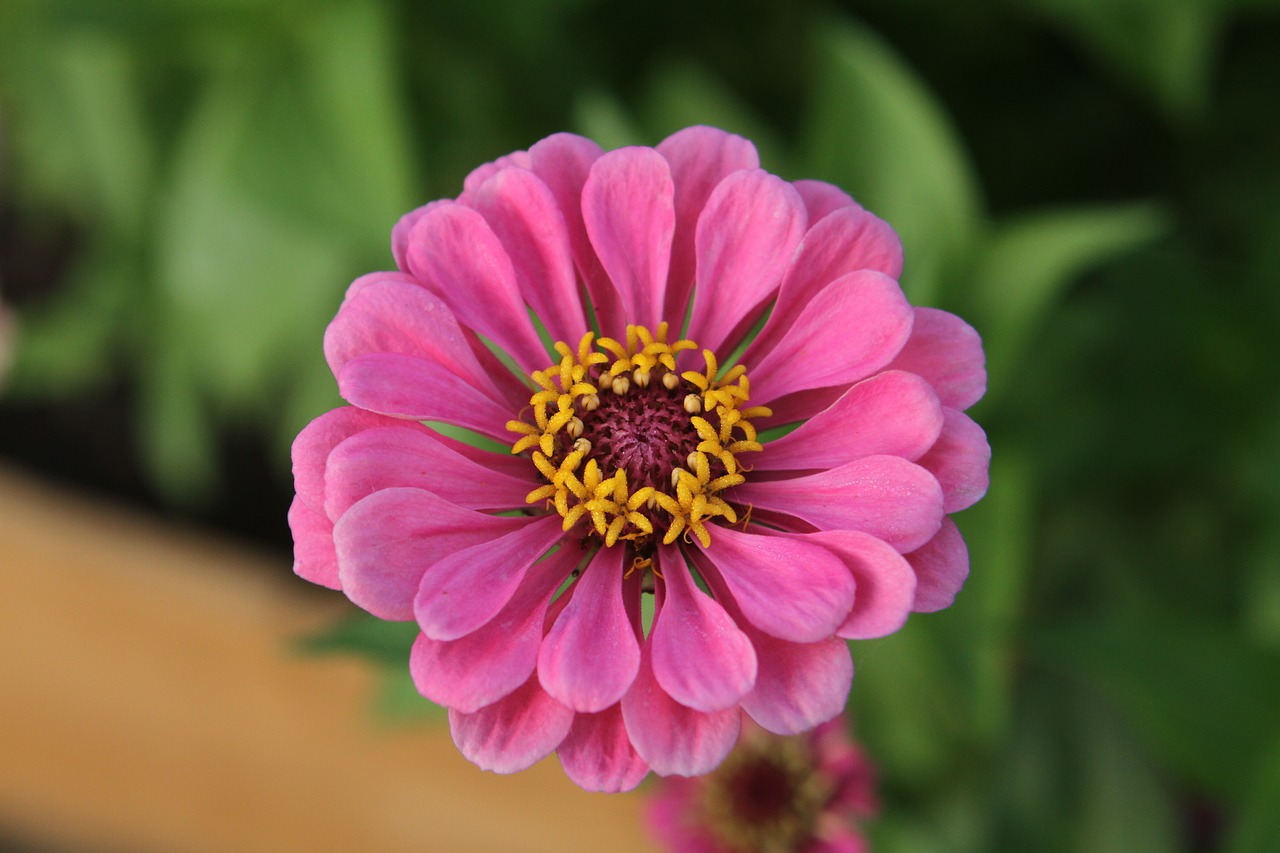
(313, 445)
(961, 460)
(466, 589)
(563, 162)
(941, 567)
(700, 157)
(800, 684)
(700, 657)
(513, 733)
(821, 198)
(799, 406)
(674, 739)
(313, 555)
(416, 389)
(400, 235)
(386, 542)
(590, 656)
(746, 236)
(886, 496)
(846, 240)
(629, 211)
(851, 329)
(479, 669)
(456, 255)
(789, 588)
(948, 352)
(892, 413)
(476, 178)
(386, 315)
(385, 457)
(524, 214)
(598, 756)
(884, 580)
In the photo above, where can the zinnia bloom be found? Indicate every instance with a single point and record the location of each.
(590, 313)
(802, 794)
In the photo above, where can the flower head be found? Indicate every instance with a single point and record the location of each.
(633, 329)
(800, 794)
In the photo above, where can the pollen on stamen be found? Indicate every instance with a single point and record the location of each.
(670, 443)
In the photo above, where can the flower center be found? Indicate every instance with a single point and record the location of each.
(631, 445)
(765, 797)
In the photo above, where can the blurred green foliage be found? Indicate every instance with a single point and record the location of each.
(1093, 184)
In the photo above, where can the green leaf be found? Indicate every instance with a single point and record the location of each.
(252, 284)
(904, 698)
(1199, 697)
(1258, 824)
(874, 128)
(1124, 805)
(600, 116)
(1029, 262)
(72, 343)
(399, 702)
(1165, 48)
(681, 93)
(364, 635)
(177, 438)
(987, 617)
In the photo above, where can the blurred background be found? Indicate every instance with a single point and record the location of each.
(187, 187)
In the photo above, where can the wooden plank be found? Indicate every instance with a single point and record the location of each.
(149, 701)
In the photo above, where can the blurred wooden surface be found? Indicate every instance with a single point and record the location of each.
(149, 701)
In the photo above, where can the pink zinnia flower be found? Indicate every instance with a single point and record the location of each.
(806, 793)
(641, 461)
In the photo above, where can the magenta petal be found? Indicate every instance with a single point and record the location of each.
(700, 657)
(884, 580)
(590, 656)
(746, 236)
(700, 158)
(886, 496)
(846, 240)
(948, 352)
(892, 413)
(800, 684)
(789, 588)
(941, 567)
(386, 542)
(456, 255)
(629, 210)
(416, 389)
(523, 212)
(821, 198)
(467, 588)
(409, 455)
(513, 733)
(674, 739)
(598, 756)
(314, 558)
(479, 669)
(400, 235)
(851, 329)
(393, 315)
(961, 460)
(563, 162)
(313, 445)
(476, 177)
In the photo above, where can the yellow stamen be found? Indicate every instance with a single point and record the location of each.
(562, 425)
